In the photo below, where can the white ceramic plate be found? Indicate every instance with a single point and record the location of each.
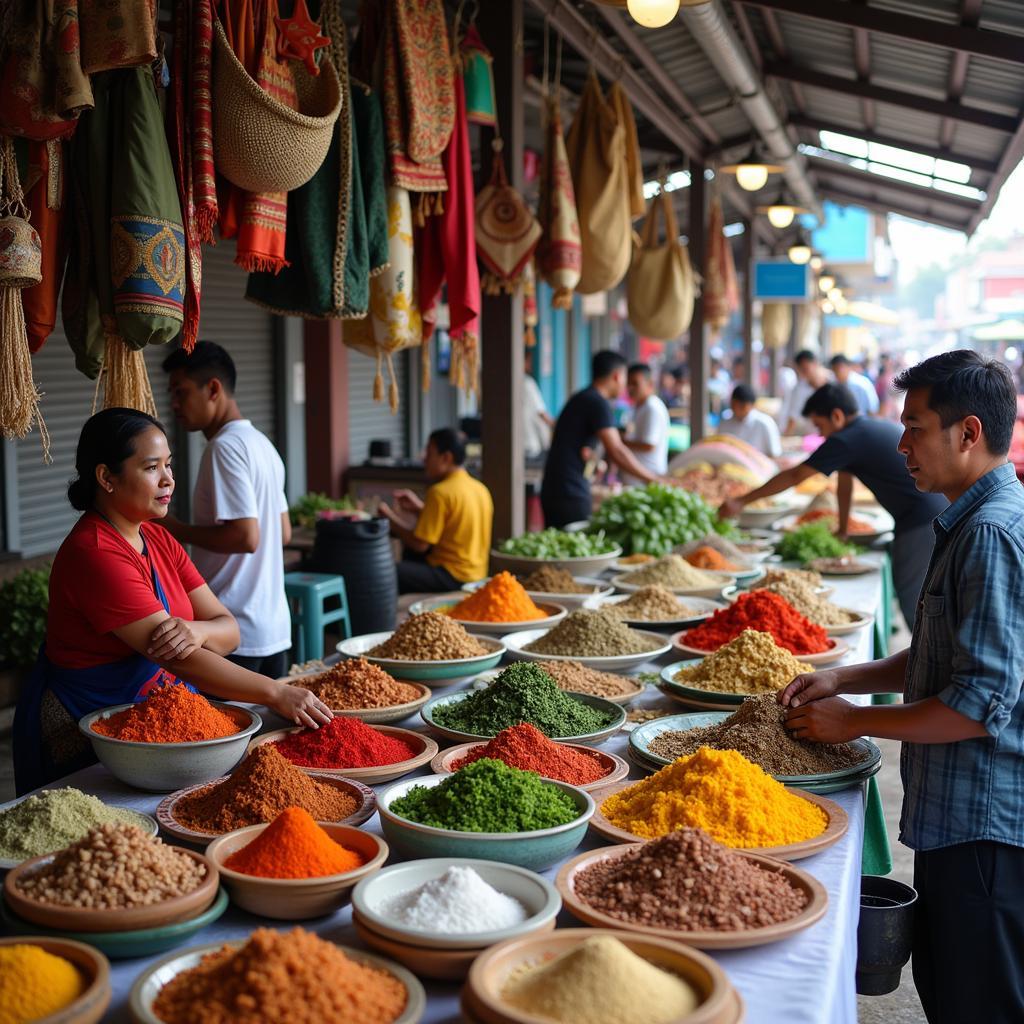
(702, 608)
(516, 644)
(834, 653)
(447, 601)
(626, 587)
(423, 671)
(879, 518)
(599, 588)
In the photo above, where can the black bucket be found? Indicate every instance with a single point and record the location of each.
(884, 934)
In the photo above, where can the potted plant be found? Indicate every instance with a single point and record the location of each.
(24, 599)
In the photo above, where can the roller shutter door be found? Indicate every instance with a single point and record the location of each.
(369, 420)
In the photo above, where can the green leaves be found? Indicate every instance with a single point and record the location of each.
(24, 600)
(552, 543)
(815, 540)
(303, 512)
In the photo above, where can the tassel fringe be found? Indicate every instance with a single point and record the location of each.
(562, 298)
(124, 376)
(19, 396)
(252, 263)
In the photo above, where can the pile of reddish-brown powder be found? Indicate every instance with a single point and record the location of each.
(688, 881)
(357, 683)
(170, 714)
(260, 788)
(281, 978)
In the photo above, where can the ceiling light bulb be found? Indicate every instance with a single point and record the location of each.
(799, 254)
(827, 307)
(751, 176)
(826, 282)
(781, 216)
(652, 13)
(817, 263)
(835, 294)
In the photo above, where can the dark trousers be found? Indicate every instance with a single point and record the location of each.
(273, 665)
(559, 512)
(969, 933)
(416, 577)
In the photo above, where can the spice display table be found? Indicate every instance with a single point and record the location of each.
(807, 979)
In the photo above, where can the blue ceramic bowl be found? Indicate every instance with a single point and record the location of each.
(436, 672)
(533, 850)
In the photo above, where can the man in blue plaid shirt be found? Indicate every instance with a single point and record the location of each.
(962, 720)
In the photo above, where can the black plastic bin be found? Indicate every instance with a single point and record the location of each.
(884, 933)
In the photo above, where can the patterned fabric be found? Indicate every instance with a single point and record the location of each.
(559, 255)
(43, 85)
(968, 650)
(147, 266)
(478, 79)
(204, 180)
(117, 34)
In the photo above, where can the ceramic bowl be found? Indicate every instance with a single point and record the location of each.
(836, 649)
(163, 767)
(636, 687)
(419, 671)
(615, 712)
(555, 614)
(615, 767)
(763, 518)
(133, 944)
(424, 746)
(371, 716)
(520, 565)
(517, 644)
(296, 899)
(702, 609)
(534, 850)
(82, 919)
(596, 588)
(712, 592)
(148, 984)
(90, 1006)
(538, 896)
(668, 678)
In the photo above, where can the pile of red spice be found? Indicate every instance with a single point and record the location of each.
(764, 611)
(525, 747)
(344, 743)
(170, 714)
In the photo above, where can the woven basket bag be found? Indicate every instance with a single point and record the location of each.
(261, 145)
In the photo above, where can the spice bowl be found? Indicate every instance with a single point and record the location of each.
(521, 565)
(615, 767)
(554, 613)
(162, 767)
(595, 588)
(91, 964)
(718, 1001)
(535, 850)
(296, 899)
(836, 649)
(148, 984)
(82, 919)
(517, 644)
(437, 672)
(425, 748)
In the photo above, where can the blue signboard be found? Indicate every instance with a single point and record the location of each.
(781, 281)
(845, 237)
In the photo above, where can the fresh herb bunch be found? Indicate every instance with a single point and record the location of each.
(815, 540)
(552, 543)
(654, 519)
(303, 512)
(24, 600)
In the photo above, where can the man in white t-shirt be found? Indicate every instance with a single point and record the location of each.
(239, 506)
(860, 386)
(648, 434)
(537, 421)
(751, 425)
(811, 375)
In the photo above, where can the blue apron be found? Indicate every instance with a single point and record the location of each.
(80, 691)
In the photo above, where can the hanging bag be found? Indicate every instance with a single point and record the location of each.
(660, 288)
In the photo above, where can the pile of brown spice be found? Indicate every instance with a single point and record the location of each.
(258, 790)
(571, 675)
(687, 881)
(802, 595)
(654, 603)
(114, 867)
(431, 636)
(281, 978)
(757, 732)
(549, 580)
(357, 683)
(638, 716)
(586, 634)
(808, 576)
(751, 663)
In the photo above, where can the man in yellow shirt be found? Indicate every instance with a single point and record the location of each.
(449, 542)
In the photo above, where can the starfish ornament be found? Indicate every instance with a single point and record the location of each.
(298, 37)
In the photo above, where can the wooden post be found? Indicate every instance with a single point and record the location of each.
(698, 357)
(326, 360)
(750, 376)
(501, 404)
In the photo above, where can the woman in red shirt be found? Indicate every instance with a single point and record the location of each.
(128, 610)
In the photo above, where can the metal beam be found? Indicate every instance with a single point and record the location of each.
(771, 25)
(1012, 156)
(747, 248)
(844, 198)
(698, 347)
(582, 36)
(833, 167)
(970, 12)
(326, 373)
(978, 41)
(789, 72)
(938, 152)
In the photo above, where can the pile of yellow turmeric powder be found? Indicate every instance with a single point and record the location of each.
(34, 983)
(501, 599)
(722, 792)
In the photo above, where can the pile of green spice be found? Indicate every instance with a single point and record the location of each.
(488, 796)
(52, 820)
(586, 634)
(523, 692)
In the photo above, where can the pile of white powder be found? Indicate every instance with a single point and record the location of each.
(459, 901)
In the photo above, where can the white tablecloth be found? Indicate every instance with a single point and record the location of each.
(808, 978)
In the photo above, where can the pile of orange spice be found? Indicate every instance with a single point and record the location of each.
(170, 714)
(707, 557)
(501, 599)
(293, 845)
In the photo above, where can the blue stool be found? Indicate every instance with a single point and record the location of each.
(309, 594)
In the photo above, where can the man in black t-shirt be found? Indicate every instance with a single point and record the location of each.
(585, 421)
(866, 448)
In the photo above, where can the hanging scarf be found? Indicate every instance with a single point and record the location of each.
(117, 34)
(478, 79)
(446, 248)
(559, 256)
(42, 83)
(204, 179)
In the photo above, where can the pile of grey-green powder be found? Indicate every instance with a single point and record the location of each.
(523, 692)
(586, 634)
(52, 820)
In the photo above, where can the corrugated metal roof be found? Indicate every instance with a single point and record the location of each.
(947, 11)
(1003, 16)
(912, 67)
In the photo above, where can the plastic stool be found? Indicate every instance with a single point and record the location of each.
(308, 594)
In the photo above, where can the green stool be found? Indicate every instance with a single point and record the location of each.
(309, 594)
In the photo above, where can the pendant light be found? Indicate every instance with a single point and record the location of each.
(826, 283)
(800, 252)
(751, 172)
(652, 13)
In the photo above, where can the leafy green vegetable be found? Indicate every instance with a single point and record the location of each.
(303, 512)
(24, 600)
(815, 540)
(552, 543)
(654, 519)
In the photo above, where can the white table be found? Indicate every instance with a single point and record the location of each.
(807, 979)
